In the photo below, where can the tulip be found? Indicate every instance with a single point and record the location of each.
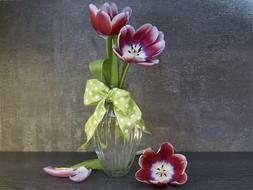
(162, 168)
(106, 20)
(140, 46)
(76, 175)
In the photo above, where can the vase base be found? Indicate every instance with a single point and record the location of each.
(116, 173)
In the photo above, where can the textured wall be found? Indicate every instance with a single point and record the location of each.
(200, 97)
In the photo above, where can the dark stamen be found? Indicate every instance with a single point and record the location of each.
(158, 168)
(129, 51)
(165, 175)
(162, 166)
(139, 49)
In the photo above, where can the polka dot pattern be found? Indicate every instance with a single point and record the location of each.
(126, 110)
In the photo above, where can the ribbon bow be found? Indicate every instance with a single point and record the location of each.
(125, 109)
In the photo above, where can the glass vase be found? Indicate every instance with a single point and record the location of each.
(115, 152)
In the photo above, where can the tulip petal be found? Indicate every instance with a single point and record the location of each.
(93, 10)
(103, 23)
(117, 52)
(128, 11)
(80, 174)
(155, 49)
(148, 63)
(150, 37)
(141, 32)
(179, 162)
(106, 8)
(161, 183)
(118, 22)
(125, 36)
(149, 155)
(59, 172)
(114, 9)
(159, 38)
(143, 176)
(144, 163)
(165, 151)
(180, 179)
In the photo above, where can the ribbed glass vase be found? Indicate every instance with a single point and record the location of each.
(115, 152)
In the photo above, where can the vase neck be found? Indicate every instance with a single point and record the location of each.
(109, 109)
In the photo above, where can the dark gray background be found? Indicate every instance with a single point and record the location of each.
(199, 97)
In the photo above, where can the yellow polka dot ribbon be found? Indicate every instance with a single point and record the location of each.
(125, 109)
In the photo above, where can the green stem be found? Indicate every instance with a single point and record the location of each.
(109, 47)
(95, 164)
(115, 66)
(124, 74)
(113, 61)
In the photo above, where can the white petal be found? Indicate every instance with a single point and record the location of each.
(80, 174)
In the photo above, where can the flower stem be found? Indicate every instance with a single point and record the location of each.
(113, 61)
(109, 47)
(115, 66)
(124, 74)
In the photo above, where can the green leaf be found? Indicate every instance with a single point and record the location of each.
(96, 69)
(110, 72)
(94, 164)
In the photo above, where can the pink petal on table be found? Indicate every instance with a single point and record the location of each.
(80, 174)
(59, 172)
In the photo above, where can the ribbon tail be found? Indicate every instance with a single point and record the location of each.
(128, 115)
(93, 122)
(144, 128)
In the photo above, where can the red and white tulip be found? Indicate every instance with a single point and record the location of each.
(162, 168)
(106, 19)
(140, 46)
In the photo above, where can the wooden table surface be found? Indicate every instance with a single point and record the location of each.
(214, 171)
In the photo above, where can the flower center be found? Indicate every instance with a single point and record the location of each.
(162, 171)
(134, 51)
